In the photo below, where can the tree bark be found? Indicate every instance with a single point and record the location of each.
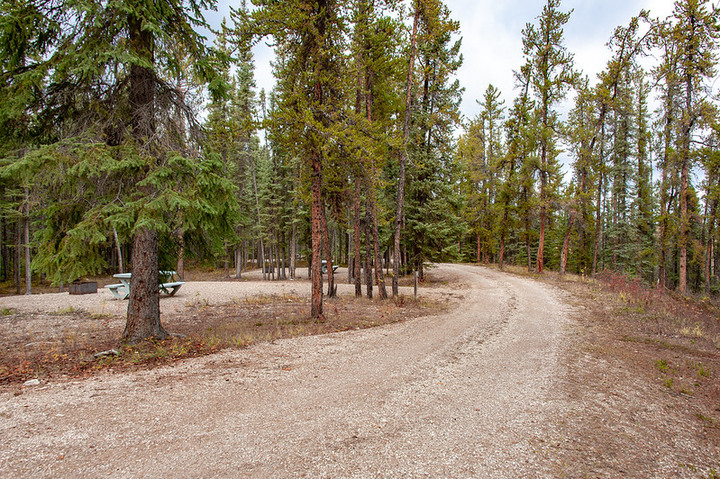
(26, 228)
(543, 193)
(566, 245)
(357, 278)
(238, 261)
(328, 256)
(368, 255)
(688, 120)
(379, 276)
(403, 155)
(118, 248)
(18, 255)
(293, 250)
(316, 308)
(709, 244)
(226, 261)
(261, 246)
(143, 318)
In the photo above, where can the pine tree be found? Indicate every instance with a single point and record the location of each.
(644, 203)
(310, 42)
(710, 158)
(696, 34)
(481, 158)
(551, 75)
(581, 129)
(376, 66)
(431, 211)
(407, 114)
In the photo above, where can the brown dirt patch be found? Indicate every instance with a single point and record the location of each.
(63, 344)
(646, 372)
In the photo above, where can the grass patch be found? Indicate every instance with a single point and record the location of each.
(662, 365)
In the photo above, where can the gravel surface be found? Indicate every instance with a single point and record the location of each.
(465, 394)
(188, 296)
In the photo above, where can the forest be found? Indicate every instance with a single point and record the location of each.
(131, 142)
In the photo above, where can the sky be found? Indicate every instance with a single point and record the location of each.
(491, 32)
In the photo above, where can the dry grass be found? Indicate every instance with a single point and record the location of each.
(67, 345)
(671, 340)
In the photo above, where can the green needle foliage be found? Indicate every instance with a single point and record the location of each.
(110, 137)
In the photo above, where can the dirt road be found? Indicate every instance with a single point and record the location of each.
(467, 394)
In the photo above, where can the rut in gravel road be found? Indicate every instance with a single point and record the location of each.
(458, 395)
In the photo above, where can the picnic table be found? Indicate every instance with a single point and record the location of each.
(168, 284)
(324, 267)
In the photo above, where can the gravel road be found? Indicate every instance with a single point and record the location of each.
(464, 394)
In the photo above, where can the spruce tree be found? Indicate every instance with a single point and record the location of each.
(109, 155)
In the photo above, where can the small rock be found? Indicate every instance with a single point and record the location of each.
(109, 352)
(32, 382)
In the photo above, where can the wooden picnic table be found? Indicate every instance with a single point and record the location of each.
(167, 284)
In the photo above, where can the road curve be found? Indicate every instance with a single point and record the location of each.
(464, 394)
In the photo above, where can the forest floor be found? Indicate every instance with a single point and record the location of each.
(54, 335)
(488, 374)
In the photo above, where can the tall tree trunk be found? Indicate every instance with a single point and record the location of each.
(3, 249)
(238, 261)
(316, 215)
(501, 255)
(403, 155)
(598, 221)
(528, 252)
(261, 246)
(144, 307)
(684, 228)
(368, 256)
(709, 244)
(328, 256)
(566, 244)
(543, 192)
(356, 240)
(379, 276)
(26, 230)
(350, 257)
(293, 250)
(271, 262)
(18, 254)
(226, 261)
(684, 179)
(118, 248)
(3, 255)
(143, 318)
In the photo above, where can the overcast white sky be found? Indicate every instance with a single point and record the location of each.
(492, 40)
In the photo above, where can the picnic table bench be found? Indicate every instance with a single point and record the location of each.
(167, 284)
(324, 267)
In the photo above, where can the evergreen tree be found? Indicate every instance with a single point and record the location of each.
(695, 31)
(310, 40)
(108, 122)
(551, 75)
(433, 226)
(481, 158)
